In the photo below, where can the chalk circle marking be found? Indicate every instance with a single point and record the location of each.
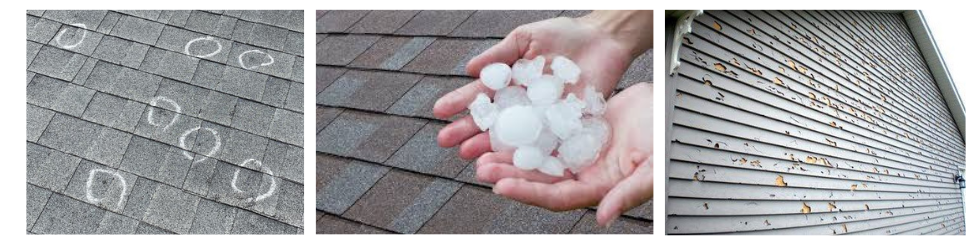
(240, 59)
(186, 48)
(271, 189)
(210, 153)
(154, 102)
(84, 33)
(88, 186)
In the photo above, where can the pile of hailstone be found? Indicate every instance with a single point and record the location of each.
(530, 114)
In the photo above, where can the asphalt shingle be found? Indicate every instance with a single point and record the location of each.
(125, 82)
(90, 18)
(118, 224)
(419, 100)
(402, 201)
(324, 76)
(113, 111)
(121, 51)
(51, 169)
(37, 120)
(36, 199)
(340, 182)
(324, 116)
(40, 29)
(210, 23)
(155, 160)
(108, 146)
(366, 136)
(76, 39)
(64, 215)
(422, 154)
(242, 83)
(338, 20)
(367, 90)
(392, 53)
(253, 117)
(382, 21)
(286, 126)
(171, 209)
(329, 224)
(251, 223)
(448, 56)
(213, 218)
(497, 23)
(57, 63)
(588, 225)
(137, 29)
(275, 92)
(100, 185)
(177, 66)
(68, 134)
(192, 43)
(434, 22)
(266, 61)
(342, 49)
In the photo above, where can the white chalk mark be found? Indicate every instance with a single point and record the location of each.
(88, 186)
(271, 189)
(212, 151)
(240, 59)
(186, 48)
(153, 103)
(84, 33)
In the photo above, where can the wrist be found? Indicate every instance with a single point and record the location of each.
(631, 28)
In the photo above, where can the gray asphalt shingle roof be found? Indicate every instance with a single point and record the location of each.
(378, 167)
(162, 122)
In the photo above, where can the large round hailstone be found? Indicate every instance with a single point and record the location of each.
(552, 166)
(496, 75)
(518, 126)
(528, 158)
(483, 111)
(496, 144)
(545, 90)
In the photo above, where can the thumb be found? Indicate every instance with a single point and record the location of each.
(630, 192)
(507, 51)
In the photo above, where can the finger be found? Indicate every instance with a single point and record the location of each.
(458, 100)
(494, 172)
(631, 192)
(457, 132)
(560, 196)
(475, 146)
(507, 51)
(492, 167)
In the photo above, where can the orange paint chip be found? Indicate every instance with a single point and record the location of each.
(811, 160)
(811, 95)
(791, 64)
(780, 181)
(831, 207)
(720, 67)
(778, 81)
(854, 187)
(806, 209)
(716, 26)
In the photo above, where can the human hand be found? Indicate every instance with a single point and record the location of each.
(620, 179)
(600, 47)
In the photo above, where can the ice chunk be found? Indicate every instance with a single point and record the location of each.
(565, 69)
(524, 70)
(598, 127)
(496, 75)
(528, 158)
(564, 119)
(545, 90)
(496, 144)
(547, 141)
(483, 111)
(511, 96)
(579, 151)
(574, 102)
(582, 149)
(552, 166)
(518, 125)
(595, 104)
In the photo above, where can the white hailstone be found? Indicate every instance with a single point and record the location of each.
(564, 119)
(483, 111)
(496, 144)
(574, 102)
(518, 126)
(552, 167)
(565, 69)
(496, 75)
(545, 90)
(524, 70)
(528, 158)
(511, 96)
(583, 148)
(547, 141)
(595, 104)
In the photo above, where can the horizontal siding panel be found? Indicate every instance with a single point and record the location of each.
(809, 122)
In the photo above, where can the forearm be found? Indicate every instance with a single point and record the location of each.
(632, 28)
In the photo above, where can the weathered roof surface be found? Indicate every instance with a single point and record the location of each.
(809, 122)
(164, 122)
(378, 166)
